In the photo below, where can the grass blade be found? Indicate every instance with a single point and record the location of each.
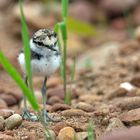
(68, 97)
(90, 131)
(18, 79)
(25, 38)
(65, 4)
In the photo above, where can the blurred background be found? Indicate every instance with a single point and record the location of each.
(90, 22)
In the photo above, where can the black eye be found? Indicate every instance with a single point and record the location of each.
(39, 43)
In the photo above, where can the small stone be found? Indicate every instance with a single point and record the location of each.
(89, 98)
(127, 103)
(1, 123)
(67, 133)
(85, 106)
(13, 121)
(117, 93)
(73, 112)
(50, 135)
(115, 124)
(126, 85)
(5, 113)
(60, 107)
(81, 135)
(131, 117)
(58, 126)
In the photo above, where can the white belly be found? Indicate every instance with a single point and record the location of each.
(42, 67)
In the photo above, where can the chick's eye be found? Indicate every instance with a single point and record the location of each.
(39, 43)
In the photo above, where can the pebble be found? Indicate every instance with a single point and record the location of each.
(115, 124)
(85, 106)
(117, 93)
(73, 112)
(131, 117)
(126, 85)
(60, 107)
(89, 98)
(13, 121)
(81, 135)
(58, 126)
(128, 103)
(67, 133)
(1, 123)
(5, 113)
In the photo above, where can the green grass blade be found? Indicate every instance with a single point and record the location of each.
(25, 38)
(80, 27)
(63, 29)
(56, 28)
(16, 76)
(90, 131)
(65, 4)
(68, 97)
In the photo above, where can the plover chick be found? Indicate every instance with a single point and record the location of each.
(45, 60)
